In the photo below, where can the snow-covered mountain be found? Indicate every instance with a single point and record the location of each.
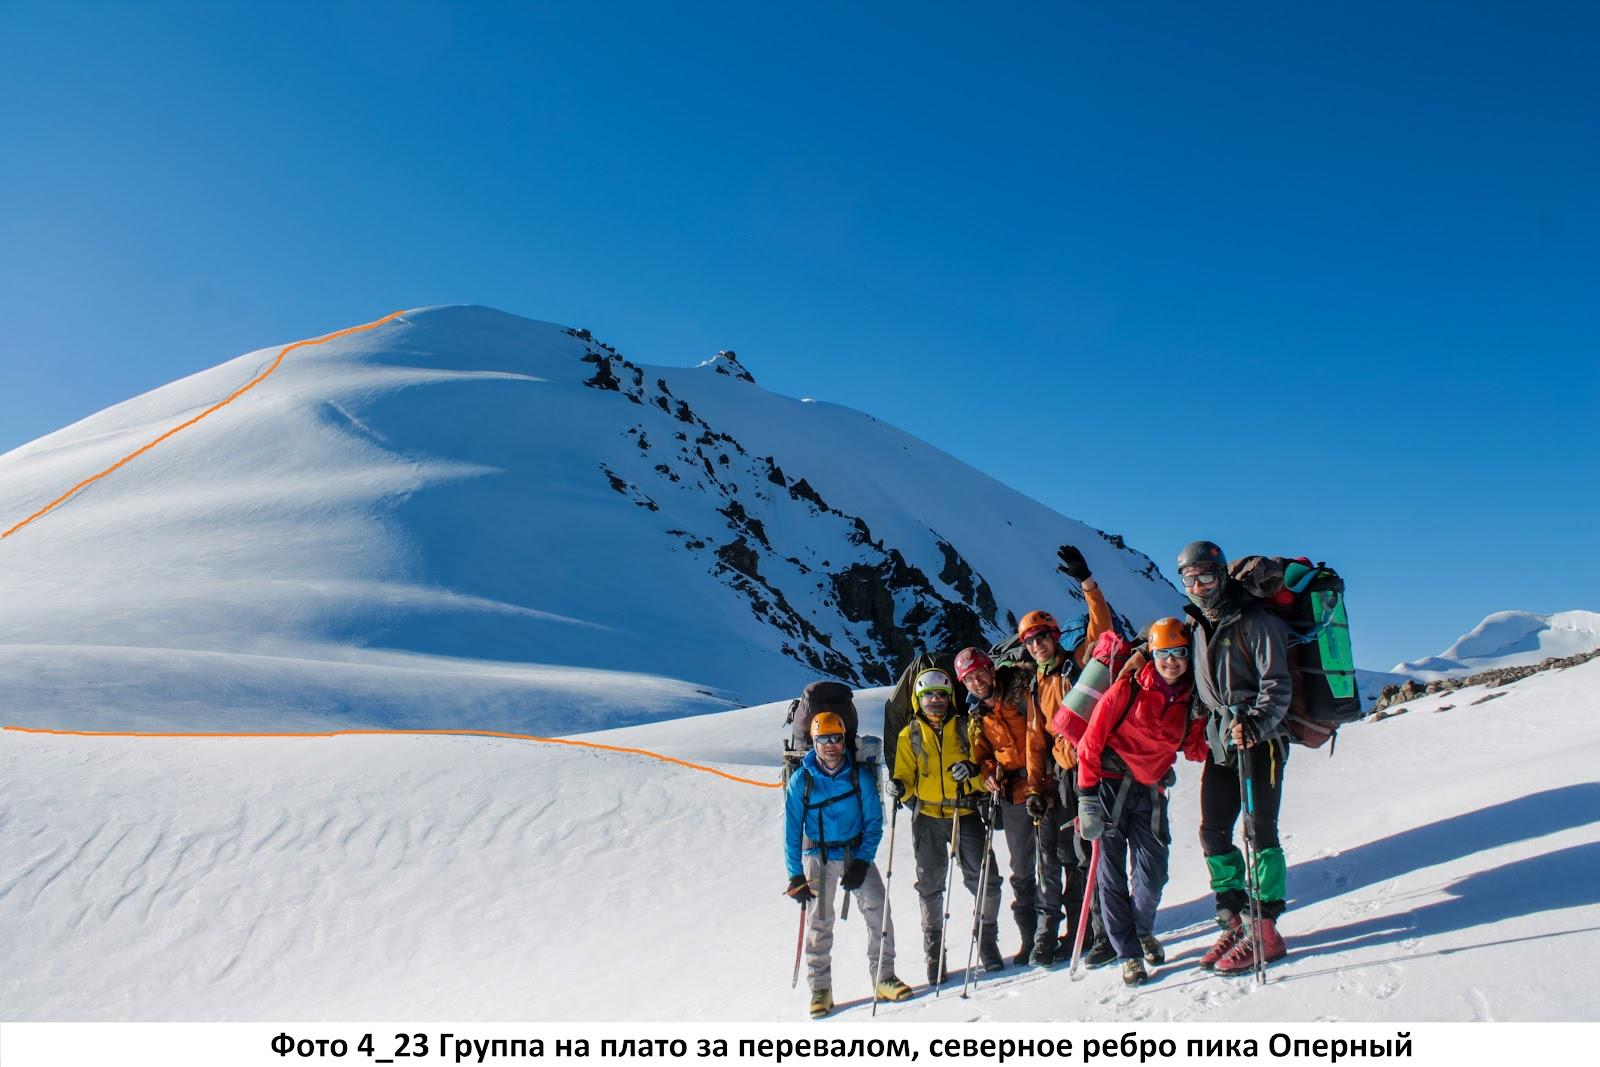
(463, 518)
(1510, 639)
(1441, 867)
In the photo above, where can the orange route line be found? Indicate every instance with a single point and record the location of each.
(408, 733)
(236, 394)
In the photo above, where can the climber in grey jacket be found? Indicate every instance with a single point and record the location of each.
(1242, 683)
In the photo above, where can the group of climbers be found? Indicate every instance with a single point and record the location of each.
(1069, 784)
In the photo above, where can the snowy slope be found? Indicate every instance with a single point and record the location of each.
(465, 518)
(1511, 639)
(1443, 867)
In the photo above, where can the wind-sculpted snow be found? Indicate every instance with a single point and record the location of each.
(491, 499)
(1442, 867)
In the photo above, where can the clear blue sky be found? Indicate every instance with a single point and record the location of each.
(1321, 280)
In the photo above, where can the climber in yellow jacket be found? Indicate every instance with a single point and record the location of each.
(935, 775)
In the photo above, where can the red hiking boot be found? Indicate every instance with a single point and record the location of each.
(1232, 930)
(1241, 959)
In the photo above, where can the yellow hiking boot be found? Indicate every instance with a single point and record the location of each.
(821, 1003)
(891, 988)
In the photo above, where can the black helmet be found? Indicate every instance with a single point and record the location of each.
(1204, 556)
(1201, 552)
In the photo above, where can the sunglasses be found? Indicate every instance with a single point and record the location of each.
(1169, 653)
(1035, 636)
(1200, 578)
(830, 739)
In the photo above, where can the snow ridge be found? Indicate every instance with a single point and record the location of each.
(482, 500)
(1511, 639)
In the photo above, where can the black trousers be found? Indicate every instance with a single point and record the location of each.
(1220, 806)
(1064, 862)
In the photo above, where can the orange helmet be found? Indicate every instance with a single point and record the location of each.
(1168, 633)
(826, 722)
(1037, 620)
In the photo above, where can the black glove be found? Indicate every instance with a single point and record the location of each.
(963, 770)
(1091, 818)
(800, 889)
(896, 788)
(1073, 565)
(1037, 804)
(855, 872)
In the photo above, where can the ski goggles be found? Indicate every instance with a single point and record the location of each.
(1169, 653)
(829, 739)
(1208, 576)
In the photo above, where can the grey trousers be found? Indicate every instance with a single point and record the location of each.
(871, 907)
(930, 838)
(1022, 843)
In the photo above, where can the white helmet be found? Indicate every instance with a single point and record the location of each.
(931, 682)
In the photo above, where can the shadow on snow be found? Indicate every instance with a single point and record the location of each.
(1551, 881)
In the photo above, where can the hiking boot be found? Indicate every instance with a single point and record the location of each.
(1154, 954)
(1044, 949)
(989, 953)
(1027, 932)
(1099, 954)
(1241, 959)
(1232, 930)
(821, 1002)
(1133, 972)
(937, 968)
(891, 988)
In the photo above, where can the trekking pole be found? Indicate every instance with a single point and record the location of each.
(983, 894)
(883, 923)
(1041, 871)
(1247, 797)
(844, 909)
(1083, 914)
(799, 943)
(949, 882)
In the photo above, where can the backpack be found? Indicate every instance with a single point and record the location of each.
(1010, 653)
(819, 697)
(897, 709)
(1309, 597)
(1110, 655)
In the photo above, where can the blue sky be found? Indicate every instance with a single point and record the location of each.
(1321, 281)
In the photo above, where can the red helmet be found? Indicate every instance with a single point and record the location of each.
(971, 659)
(1037, 620)
(1168, 633)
